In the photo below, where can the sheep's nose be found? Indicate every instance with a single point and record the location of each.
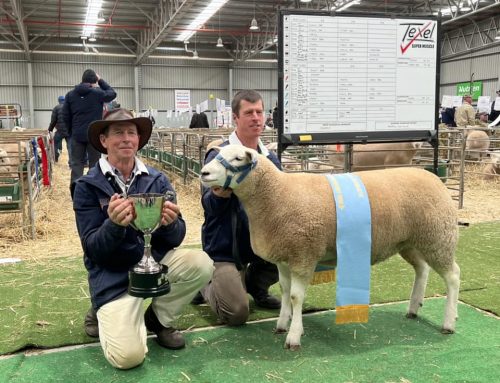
(205, 173)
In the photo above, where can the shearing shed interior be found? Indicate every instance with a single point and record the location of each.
(402, 96)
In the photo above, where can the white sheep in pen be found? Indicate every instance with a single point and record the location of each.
(292, 221)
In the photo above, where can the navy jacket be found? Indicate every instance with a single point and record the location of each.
(110, 249)
(216, 232)
(84, 104)
(57, 121)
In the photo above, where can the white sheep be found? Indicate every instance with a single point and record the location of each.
(378, 156)
(477, 142)
(7, 167)
(292, 221)
(492, 169)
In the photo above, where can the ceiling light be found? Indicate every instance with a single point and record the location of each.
(253, 25)
(93, 8)
(345, 5)
(83, 38)
(305, 1)
(92, 39)
(100, 17)
(498, 35)
(219, 40)
(204, 15)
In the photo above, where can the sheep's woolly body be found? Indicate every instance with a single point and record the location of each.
(303, 219)
(292, 220)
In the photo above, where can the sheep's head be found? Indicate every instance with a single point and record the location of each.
(4, 158)
(495, 159)
(229, 167)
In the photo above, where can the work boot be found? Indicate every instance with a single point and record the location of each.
(265, 300)
(167, 337)
(198, 299)
(91, 324)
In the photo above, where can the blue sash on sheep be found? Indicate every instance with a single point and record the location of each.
(353, 248)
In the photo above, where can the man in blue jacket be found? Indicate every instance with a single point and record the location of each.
(225, 232)
(111, 246)
(83, 105)
(62, 132)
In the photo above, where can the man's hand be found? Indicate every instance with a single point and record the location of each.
(169, 213)
(98, 77)
(121, 210)
(222, 193)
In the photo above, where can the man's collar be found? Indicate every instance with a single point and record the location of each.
(234, 140)
(106, 167)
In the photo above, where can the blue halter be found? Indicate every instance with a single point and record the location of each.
(244, 169)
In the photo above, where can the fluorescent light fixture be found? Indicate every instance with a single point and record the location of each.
(346, 4)
(92, 39)
(204, 15)
(305, 1)
(93, 8)
(448, 11)
(219, 43)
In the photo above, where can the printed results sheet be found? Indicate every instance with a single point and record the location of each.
(355, 74)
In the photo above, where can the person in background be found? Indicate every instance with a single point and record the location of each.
(111, 246)
(62, 133)
(448, 117)
(269, 120)
(225, 231)
(199, 121)
(83, 105)
(494, 113)
(482, 119)
(465, 115)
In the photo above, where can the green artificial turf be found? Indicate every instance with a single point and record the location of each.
(389, 348)
(42, 304)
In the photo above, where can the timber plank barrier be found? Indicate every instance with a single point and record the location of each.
(26, 164)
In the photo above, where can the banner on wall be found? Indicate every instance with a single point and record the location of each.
(182, 100)
(464, 88)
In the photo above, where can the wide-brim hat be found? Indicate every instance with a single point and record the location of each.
(96, 128)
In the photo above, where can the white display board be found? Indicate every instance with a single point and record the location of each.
(359, 75)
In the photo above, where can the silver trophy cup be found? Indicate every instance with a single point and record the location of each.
(147, 278)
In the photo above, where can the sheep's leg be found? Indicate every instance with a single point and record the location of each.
(452, 280)
(286, 309)
(297, 293)
(414, 258)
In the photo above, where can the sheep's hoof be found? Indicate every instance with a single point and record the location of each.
(280, 330)
(411, 315)
(292, 347)
(447, 331)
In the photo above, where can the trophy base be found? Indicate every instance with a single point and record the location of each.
(147, 285)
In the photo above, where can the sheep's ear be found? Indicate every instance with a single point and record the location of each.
(251, 155)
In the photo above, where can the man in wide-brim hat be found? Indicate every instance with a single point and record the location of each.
(111, 246)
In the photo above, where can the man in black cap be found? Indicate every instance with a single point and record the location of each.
(83, 105)
(111, 246)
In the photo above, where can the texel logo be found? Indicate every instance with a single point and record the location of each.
(418, 35)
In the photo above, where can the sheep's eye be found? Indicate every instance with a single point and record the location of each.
(238, 159)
